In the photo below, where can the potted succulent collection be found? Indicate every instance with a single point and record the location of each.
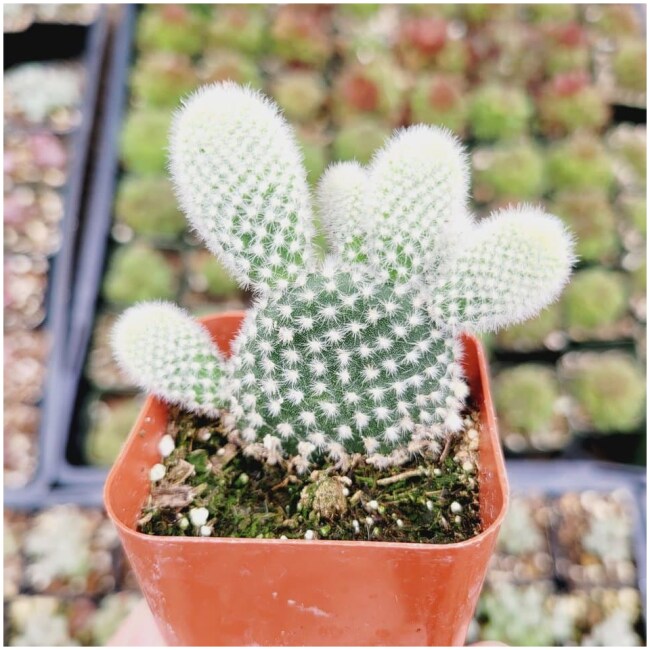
(326, 467)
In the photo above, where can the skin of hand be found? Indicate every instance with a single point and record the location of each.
(139, 629)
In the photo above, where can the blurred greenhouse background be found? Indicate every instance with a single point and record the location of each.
(550, 101)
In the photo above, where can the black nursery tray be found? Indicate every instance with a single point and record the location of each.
(44, 43)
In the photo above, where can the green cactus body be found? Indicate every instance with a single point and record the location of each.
(359, 353)
(144, 139)
(579, 163)
(228, 65)
(592, 219)
(525, 397)
(568, 103)
(499, 112)
(138, 272)
(359, 139)
(439, 99)
(171, 28)
(628, 146)
(163, 78)
(239, 27)
(610, 389)
(635, 211)
(301, 94)
(617, 20)
(509, 171)
(596, 298)
(147, 205)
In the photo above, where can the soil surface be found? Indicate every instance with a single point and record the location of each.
(429, 499)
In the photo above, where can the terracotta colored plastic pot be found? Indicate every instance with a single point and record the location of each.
(225, 591)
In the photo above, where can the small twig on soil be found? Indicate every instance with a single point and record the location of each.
(445, 451)
(389, 480)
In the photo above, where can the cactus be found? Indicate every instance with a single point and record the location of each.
(566, 48)
(525, 397)
(146, 204)
(568, 102)
(552, 13)
(579, 163)
(301, 94)
(359, 353)
(143, 140)
(162, 78)
(498, 112)
(532, 334)
(628, 146)
(520, 533)
(616, 20)
(615, 630)
(634, 210)
(596, 298)
(138, 272)
(610, 390)
(439, 99)
(591, 218)
(629, 65)
(358, 139)
(237, 27)
(509, 171)
(208, 274)
(110, 424)
(302, 34)
(170, 28)
(228, 65)
(376, 89)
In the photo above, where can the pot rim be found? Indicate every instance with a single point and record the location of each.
(499, 476)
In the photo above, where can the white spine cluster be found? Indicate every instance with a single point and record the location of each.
(362, 353)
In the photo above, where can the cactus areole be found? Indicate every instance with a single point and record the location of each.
(360, 358)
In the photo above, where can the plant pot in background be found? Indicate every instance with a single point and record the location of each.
(229, 591)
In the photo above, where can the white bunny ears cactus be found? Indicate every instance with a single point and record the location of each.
(360, 353)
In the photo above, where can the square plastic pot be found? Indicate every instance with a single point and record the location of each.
(229, 591)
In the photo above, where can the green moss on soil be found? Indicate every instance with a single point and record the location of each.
(430, 500)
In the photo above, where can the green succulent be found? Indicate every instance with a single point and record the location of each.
(147, 205)
(125, 282)
(617, 20)
(579, 163)
(211, 275)
(374, 89)
(525, 398)
(566, 48)
(635, 211)
(509, 171)
(531, 334)
(628, 145)
(439, 99)
(552, 13)
(239, 27)
(498, 112)
(229, 65)
(301, 94)
(591, 218)
(111, 423)
(171, 28)
(359, 139)
(144, 140)
(314, 151)
(629, 65)
(568, 103)
(163, 78)
(595, 298)
(610, 387)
